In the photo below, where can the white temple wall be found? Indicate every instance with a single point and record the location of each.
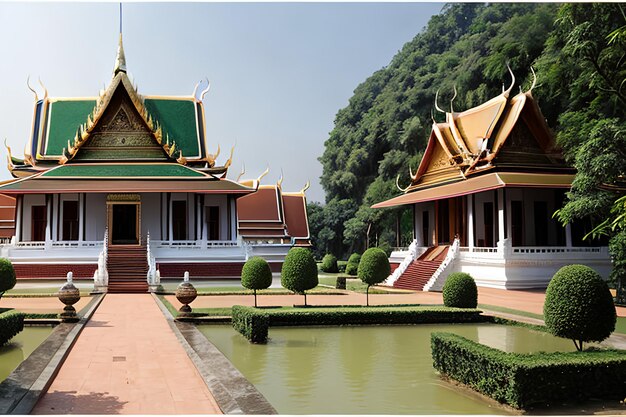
(96, 216)
(418, 223)
(29, 201)
(479, 217)
(151, 215)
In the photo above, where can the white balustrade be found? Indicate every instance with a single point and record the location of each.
(101, 275)
(450, 257)
(154, 276)
(409, 258)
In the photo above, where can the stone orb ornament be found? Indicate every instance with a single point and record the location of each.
(185, 294)
(69, 295)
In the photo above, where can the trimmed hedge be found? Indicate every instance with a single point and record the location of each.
(256, 274)
(7, 275)
(353, 264)
(522, 380)
(579, 306)
(329, 263)
(250, 321)
(11, 323)
(460, 291)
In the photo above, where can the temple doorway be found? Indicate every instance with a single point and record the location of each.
(124, 220)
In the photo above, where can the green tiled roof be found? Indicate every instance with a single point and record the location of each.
(170, 170)
(178, 117)
(64, 117)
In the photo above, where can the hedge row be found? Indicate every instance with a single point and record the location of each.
(11, 323)
(522, 380)
(250, 321)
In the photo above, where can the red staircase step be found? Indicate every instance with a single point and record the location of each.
(127, 267)
(421, 270)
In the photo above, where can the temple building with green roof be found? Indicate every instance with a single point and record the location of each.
(122, 188)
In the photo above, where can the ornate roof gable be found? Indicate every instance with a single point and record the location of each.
(508, 132)
(120, 120)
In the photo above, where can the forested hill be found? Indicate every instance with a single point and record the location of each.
(384, 128)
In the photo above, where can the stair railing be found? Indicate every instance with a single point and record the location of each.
(153, 276)
(450, 256)
(101, 275)
(411, 256)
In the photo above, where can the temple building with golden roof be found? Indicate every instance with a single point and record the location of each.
(483, 199)
(122, 188)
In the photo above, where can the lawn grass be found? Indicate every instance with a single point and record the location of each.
(352, 284)
(511, 311)
(620, 325)
(217, 311)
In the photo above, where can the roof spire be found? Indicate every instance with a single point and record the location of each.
(120, 59)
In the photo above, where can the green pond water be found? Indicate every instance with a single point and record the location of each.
(20, 347)
(366, 369)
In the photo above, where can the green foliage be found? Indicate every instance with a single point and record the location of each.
(256, 275)
(460, 291)
(579, 306)
(522, 380)
(353, 264)
(374, 266)
(329, 264)
(299, 271)
(383, 130)
(7, 275)
(11, 323)
(252, 323)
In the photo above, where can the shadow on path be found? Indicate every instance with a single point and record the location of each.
(93, 403)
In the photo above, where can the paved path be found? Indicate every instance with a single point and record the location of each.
(127, 360)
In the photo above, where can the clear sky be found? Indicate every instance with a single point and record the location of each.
(279, 72)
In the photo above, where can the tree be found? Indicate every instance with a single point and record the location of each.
(256, 275)
(584, 60)
(373, 268)
(579, 306)
(299, 271)
(7, 276)
(352, 266)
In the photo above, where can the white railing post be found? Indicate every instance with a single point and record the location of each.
(154, 278)
(101, 276)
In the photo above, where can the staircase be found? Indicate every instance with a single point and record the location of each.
(420, 270)
(128, 269)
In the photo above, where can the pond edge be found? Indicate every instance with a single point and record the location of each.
(233, 393)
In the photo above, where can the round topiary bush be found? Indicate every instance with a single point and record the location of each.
(7, 275)
(299, 271)
(352, 268)
(373, 268)
(329, 263)
(256, 275)
(460, 291)
(579, 306)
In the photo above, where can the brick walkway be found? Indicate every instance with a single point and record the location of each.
(127, 360)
